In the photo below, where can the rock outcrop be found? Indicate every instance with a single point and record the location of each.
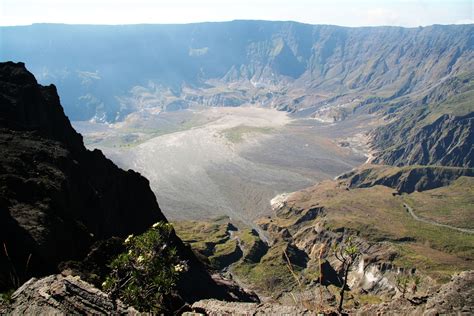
(453, 298)
(56, 197)
(215, 307)
(448, 141)
(404, 179)
(64, 295)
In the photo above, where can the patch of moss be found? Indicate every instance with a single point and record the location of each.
(365, 299)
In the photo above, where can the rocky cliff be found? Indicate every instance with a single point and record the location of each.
(405, 179)
(57, 198)
(287, 65)
(435, 128)
(448, 141)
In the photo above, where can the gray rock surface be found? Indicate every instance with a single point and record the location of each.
(215, 307)
(456, 296)
(60, 295)
(453, 298)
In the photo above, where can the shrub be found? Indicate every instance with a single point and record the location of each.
(145, 275)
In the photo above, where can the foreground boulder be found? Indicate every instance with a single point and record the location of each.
(453, 298)
(57, 294)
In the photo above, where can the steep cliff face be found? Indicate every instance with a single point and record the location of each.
(57, 198)
(437, 129)
(286, 64)
(448, 141)
(405, 179)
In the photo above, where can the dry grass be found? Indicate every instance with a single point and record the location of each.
(379, 216)
(452, 205)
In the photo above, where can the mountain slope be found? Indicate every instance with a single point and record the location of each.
(107, 72)
(435, 130)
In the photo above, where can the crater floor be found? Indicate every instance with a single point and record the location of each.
(228, 161)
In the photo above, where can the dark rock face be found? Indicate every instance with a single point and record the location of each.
(56, 197)
(405, 180)
(448, 141)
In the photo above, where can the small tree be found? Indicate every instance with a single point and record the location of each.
(346, 253)
(402, 284)
(146, 274)
(404, 280)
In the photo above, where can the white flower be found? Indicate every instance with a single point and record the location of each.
(179, 268)
(104, 284)
(129, 238)
(156, 225)
(140, 259)
(130, 252)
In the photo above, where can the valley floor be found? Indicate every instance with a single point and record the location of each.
(228, 161)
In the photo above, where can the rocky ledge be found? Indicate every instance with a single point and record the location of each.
(58, 295)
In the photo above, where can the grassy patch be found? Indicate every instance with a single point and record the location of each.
(271, 275)
(238, 133)
(365, 299)
(211, 241)
(452, 205)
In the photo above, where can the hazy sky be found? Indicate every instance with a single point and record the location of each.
(339, 12)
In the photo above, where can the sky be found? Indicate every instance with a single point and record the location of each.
(410, 13)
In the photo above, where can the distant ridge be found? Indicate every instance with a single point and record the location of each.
(102, 71)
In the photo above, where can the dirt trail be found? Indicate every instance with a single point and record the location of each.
(431, 222)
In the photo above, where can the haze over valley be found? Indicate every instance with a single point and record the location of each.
(225, 161)
(286, 168)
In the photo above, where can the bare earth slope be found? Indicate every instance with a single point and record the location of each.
(228, 160)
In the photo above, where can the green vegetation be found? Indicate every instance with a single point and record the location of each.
(406, 281)
(6, 297)
(452, 205)
(365, 299)
(210, 241)
(378, 215)
(460, 103)
(145, 275)
(238, 133)
(271, 274)
(213, 244)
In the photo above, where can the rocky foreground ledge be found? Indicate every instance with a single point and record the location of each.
(60, 294)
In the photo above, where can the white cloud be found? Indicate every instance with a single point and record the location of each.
(465, 21)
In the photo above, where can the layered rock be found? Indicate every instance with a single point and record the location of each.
(215, 307)
(448, 141)
(63, 295)
(405, 179)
